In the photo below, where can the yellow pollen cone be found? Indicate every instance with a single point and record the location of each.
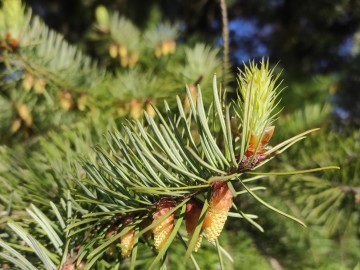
(219, 206)
(163, 230)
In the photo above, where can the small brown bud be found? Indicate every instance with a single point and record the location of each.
(192, 215)
(111, 232)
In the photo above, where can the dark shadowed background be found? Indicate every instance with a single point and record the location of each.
(307, 38)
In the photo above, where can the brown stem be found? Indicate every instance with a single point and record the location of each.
(225, 37)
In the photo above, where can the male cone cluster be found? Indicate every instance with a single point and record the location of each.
(215, 218)
(127, 58)
(166, 47)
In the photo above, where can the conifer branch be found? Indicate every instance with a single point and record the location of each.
(147, 177)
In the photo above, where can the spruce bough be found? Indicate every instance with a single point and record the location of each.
(184, 168)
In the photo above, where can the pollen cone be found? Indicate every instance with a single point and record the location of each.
(192, 215)
(164, 228)
(216, 215)
(111, 232)
(127, 240)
